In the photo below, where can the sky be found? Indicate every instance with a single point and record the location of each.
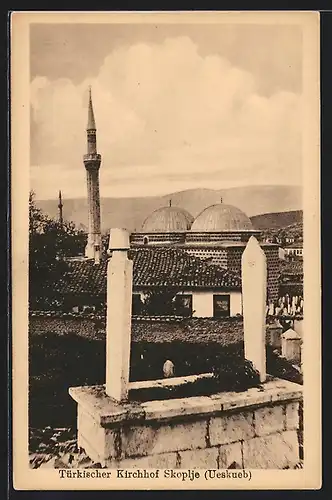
(176, 106)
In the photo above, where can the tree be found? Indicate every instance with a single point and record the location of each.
(159, 302)
(163, 302)
(49, 242)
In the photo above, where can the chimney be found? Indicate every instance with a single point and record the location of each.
(97, 255)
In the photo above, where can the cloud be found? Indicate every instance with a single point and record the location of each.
(164, 113)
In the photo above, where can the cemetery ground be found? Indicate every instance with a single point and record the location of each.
(58, 362)
(245, 366)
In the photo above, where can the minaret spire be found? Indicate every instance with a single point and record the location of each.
(92, 162)
(91, 117)
(60, 205)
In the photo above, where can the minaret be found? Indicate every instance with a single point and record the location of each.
(92, 162)
(60, 205)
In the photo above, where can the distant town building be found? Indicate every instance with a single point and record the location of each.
(294, 249)
(291, 277)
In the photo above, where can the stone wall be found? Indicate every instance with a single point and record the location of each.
(154, 329)
(234, 255)
(64, 324)
(251, 430)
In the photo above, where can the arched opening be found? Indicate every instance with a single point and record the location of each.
(145, 240)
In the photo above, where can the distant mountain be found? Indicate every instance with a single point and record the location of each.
(277, 220)
(131, 212)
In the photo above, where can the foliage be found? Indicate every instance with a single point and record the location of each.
(281, 368)
(57, 362)
(162, 302)
(49, 241)
(159, 302)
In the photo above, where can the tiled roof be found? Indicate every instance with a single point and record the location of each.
(153, 267)
(296, 244)
(173, 267)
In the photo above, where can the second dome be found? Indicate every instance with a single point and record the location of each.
(221, 217)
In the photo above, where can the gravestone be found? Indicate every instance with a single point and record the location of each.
(291, 342)
(254, 282)
(118, 323)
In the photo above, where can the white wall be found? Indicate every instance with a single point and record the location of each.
(236, 303)
(294, 251)
(282, 253)
(203, 302)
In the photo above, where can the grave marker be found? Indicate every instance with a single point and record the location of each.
(254, 282)
(118, 324)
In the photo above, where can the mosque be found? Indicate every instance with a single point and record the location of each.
(218, 235)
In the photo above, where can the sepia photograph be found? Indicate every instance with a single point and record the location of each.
(165, 178)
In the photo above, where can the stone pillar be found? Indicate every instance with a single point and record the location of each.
(291, 342)
(254, 282)
(118, 323)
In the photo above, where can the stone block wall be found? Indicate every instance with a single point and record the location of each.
(234, 255)
(62, 324)
(197, 434)
(194, 330)
(273, 266)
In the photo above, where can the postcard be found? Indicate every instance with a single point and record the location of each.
(165, 250)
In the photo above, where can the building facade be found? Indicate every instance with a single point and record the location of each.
(167, 281)
(294, 249)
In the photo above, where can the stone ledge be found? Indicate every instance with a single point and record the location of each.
(107, 412)
(167, 382)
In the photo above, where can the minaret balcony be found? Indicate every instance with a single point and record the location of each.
(92, 157)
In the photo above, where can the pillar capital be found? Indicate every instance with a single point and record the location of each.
(119, 240)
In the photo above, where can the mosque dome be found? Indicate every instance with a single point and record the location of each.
(221, 217)
(167, 220)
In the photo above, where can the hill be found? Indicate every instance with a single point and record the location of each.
(278, 220)
(131, 212)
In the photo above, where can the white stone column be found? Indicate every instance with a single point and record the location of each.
(118, 323)
(254, 282)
